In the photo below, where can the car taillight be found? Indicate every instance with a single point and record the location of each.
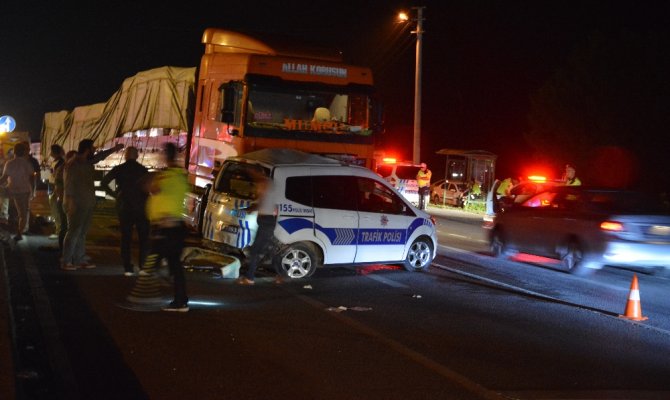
(433, 220)
(612, 226)
(488, 221)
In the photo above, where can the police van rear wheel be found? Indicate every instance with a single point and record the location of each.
(419, 255)
(297, 261)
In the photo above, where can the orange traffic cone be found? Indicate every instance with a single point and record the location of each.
(633, 306)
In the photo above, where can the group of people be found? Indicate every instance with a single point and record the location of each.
(150, 203)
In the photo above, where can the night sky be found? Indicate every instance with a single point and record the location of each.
(482, 60)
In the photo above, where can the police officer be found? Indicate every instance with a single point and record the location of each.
(165, 209)
(570, 177)
(423, 179)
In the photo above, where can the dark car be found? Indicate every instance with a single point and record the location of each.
(586, 228)
(517, 194)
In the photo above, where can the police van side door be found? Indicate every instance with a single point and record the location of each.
(295, 214)
(384, 220)
(335, 216)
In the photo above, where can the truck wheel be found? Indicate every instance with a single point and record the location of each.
(420, 255)
(296, 261)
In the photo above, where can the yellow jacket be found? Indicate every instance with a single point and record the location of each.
(168, 201)
(423, 178)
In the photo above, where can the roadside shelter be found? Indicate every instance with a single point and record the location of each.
(469, 165)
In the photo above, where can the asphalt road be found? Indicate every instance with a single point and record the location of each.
(347, 333)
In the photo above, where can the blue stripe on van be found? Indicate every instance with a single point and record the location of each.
(349, 236)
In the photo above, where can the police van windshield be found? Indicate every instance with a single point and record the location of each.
(236, 180)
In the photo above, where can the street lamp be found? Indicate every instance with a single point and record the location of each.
(404, 17)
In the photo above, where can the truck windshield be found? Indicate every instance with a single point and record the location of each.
(315, 111)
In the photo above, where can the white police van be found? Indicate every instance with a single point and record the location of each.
(402, 176)
(329, 213)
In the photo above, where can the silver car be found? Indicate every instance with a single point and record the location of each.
(453, 193)
(586, 228)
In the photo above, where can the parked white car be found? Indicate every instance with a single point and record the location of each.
(444, 192)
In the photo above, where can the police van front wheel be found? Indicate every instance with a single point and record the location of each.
(297, 261)
(419, 255)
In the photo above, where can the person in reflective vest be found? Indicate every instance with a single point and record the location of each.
(165, 210)
(423, 179)
(570, 177)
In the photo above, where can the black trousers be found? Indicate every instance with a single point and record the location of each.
(266, 229)
(423, 192)
(129, 218)
(168, 243)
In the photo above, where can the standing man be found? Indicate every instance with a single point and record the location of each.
(59, 190)
(37, 175)
(570, 177)
(4, 196)
(36, 164)
(79, 202)
(266, 219)
(131, 202)
(19, 175)
(423, 179)
(58, 158)
(165, 209)
(505, 187)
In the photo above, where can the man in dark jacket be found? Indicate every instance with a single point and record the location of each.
(130, 205)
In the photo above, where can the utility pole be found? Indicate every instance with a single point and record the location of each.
(416, 155)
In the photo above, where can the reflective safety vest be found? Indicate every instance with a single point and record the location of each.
(504, 187)
(423, 178)
(573, 182)
(169, 201)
